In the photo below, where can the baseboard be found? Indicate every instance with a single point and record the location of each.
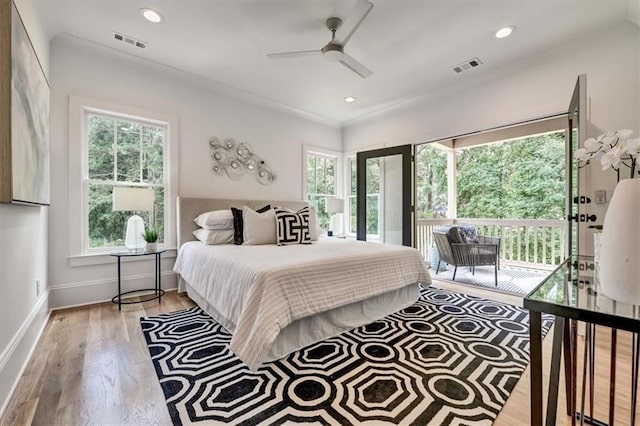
(16, 356)
(90, 292)
(166, 290)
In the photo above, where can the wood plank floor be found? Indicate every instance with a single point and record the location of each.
(92, 366)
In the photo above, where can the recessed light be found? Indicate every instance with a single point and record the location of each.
(349, 99)
(505, 31)
(151, 15)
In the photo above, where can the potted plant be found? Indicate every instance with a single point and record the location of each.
(150, 236)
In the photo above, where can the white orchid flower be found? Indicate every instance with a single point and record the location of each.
(582, 155)
(611, 158)
(608, 142)
(592, 146)
(616, 146)
(624, 133)
(632, 147)
(608, 134)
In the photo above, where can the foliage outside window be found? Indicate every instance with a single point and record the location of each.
(373, 196)
(122, 152)
(321, 184)
(431, 182)
(518, 179)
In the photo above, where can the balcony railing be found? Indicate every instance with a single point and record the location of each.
(525, 242)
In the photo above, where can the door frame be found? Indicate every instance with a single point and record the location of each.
(406, 151)
(576, 118)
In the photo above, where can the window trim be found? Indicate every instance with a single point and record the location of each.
(79, 108)
(322, 152)
(339, 172)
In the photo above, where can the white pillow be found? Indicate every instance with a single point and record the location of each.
(313, 224)
(215, 236)
(217, 219)
(259, 228)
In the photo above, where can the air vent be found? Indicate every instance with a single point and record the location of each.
(129, 40)
(467, 65)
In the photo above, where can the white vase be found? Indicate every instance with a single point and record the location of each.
(151, 247)
(620, 245)
(597, 246)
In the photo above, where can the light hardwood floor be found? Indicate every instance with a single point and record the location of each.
(92, 366)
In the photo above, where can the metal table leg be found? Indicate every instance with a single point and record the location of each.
(535, 342)
(159, 276)
(556, 353)
(119, 287)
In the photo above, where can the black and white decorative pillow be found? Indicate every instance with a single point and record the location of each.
(292, 227)
(238, 224)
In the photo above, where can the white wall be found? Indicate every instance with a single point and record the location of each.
(23, 260)
(531, 88)
(534, 87)
(93, 71)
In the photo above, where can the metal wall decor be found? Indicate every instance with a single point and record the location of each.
(235, 159)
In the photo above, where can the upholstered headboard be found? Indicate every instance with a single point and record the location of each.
(188, 209)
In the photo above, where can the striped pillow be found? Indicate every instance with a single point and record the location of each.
(292, 227)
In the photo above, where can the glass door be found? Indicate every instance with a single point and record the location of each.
(384, 195)
(577, 200)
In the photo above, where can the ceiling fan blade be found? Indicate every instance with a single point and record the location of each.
(293, 54)
(353, 21)
(355, 66)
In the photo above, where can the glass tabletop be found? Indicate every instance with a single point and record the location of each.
(573, 290)
(135, 253)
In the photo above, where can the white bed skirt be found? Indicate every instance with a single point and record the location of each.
(308, 330)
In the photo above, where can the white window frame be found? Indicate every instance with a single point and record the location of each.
(79, 110)
(339, 172)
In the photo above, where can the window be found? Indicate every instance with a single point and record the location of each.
(121, 152)
(322, 180)
(113, 145)
(374, 175)
(352, 198)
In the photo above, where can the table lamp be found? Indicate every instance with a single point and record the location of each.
(133, 200)
(334, 206)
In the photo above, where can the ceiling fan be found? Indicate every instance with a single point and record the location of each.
(334, 50)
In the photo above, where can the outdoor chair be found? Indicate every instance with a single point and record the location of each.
(460, 245)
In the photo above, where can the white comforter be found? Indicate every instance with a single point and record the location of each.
(262, 289)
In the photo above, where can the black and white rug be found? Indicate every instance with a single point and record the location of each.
(510, 279)
(448, 359)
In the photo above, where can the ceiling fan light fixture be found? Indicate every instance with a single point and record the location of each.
(505, 31)
(151, 15)
(349, 99)
(332, 52)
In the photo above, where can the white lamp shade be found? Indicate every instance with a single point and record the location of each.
(620, 245)
(335, 205)
(132, 199)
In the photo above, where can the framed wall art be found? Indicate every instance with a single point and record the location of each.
(24, 115)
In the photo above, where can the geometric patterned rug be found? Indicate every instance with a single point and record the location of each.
(449, 359)
(510, 280)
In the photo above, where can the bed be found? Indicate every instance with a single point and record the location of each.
(276, 300)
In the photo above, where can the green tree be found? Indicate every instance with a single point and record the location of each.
(431, 182)
(121, 151)
(518, 179)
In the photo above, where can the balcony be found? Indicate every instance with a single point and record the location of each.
(525, 243)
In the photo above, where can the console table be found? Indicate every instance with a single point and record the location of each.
(158, 292)
(571, 293)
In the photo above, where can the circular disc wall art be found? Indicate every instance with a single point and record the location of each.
(235, 159)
